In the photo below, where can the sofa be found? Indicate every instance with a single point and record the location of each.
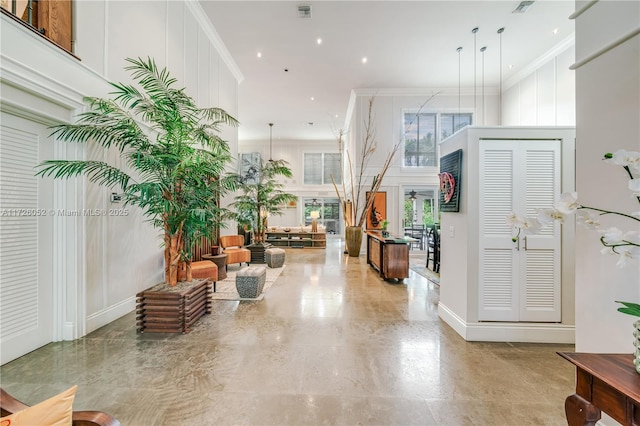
(233, 247)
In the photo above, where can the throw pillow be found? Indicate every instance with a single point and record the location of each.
(55, 411)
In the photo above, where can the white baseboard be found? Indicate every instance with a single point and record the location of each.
(507, 331)
(112, 313)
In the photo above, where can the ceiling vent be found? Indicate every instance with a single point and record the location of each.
(522, 7)
(304, 11)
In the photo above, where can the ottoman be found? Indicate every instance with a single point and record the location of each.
(275, 257)
(250, 281)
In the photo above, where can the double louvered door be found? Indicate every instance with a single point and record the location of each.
(518, 280)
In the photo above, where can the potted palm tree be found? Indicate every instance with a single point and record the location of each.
(175, 159)
(261, 197)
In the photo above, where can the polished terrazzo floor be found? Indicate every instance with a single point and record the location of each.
(330, 344)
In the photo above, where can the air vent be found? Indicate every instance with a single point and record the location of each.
(304, 11)
(522, 7)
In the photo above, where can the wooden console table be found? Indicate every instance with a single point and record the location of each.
(604, 382)
(389, 255)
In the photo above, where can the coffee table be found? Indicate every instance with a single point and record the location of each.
(221, 262)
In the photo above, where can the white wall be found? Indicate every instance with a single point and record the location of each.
(543, 94)
(608, 107)
(109, 259)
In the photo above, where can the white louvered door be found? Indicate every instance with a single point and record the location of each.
(518, 281)
(26, 307)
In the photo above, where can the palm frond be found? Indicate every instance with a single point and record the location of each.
(97, 171)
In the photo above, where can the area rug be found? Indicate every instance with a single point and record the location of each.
(418, 262)
(226, 289)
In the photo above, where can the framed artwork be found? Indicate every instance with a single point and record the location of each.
(378, 211)
(450, 185)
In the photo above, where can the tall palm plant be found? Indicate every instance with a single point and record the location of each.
(262, 196)
(174, 156)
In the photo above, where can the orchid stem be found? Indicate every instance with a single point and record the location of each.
(609, 212)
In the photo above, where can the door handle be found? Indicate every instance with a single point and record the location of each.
(525, 243)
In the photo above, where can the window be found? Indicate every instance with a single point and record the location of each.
(419, 139)
(451, 123)
(51, 18)
(329, 209)
(319, 167)
(422, 133)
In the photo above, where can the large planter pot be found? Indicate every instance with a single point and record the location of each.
(353, 236)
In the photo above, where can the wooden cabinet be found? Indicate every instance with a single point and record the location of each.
(297, 239)
(388, 255)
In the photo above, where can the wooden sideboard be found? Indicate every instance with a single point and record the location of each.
(297, 239)
(388, 255)
(604, 382)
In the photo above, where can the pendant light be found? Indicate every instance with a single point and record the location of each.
(412, 195)
(270, 142)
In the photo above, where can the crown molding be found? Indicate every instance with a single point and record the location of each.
(205, 23)
(537, 63)
(424, 91)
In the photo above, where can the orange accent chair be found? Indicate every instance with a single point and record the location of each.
(233, 247)
(202, 269)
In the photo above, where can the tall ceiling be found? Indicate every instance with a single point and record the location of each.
(408, 45)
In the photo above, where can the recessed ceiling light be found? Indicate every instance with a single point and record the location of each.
(319, 40)
(336, 115)
(555, 31)
(313, 99)
(510, 66)
(364, 60)
(259, 54)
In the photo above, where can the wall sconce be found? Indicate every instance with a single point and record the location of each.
(314, 222)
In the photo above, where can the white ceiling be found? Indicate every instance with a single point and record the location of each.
(408, 44)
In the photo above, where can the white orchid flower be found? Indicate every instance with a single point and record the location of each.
(546, 216)
(588, 219)
(634, 185)
(627, 253)
(626, 158)
(515, 221)
(531, 225)
(612, 236)
(568, 203)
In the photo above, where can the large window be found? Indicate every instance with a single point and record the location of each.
(422, 133)
(319, 167)
(329, 209)
(51, 18)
